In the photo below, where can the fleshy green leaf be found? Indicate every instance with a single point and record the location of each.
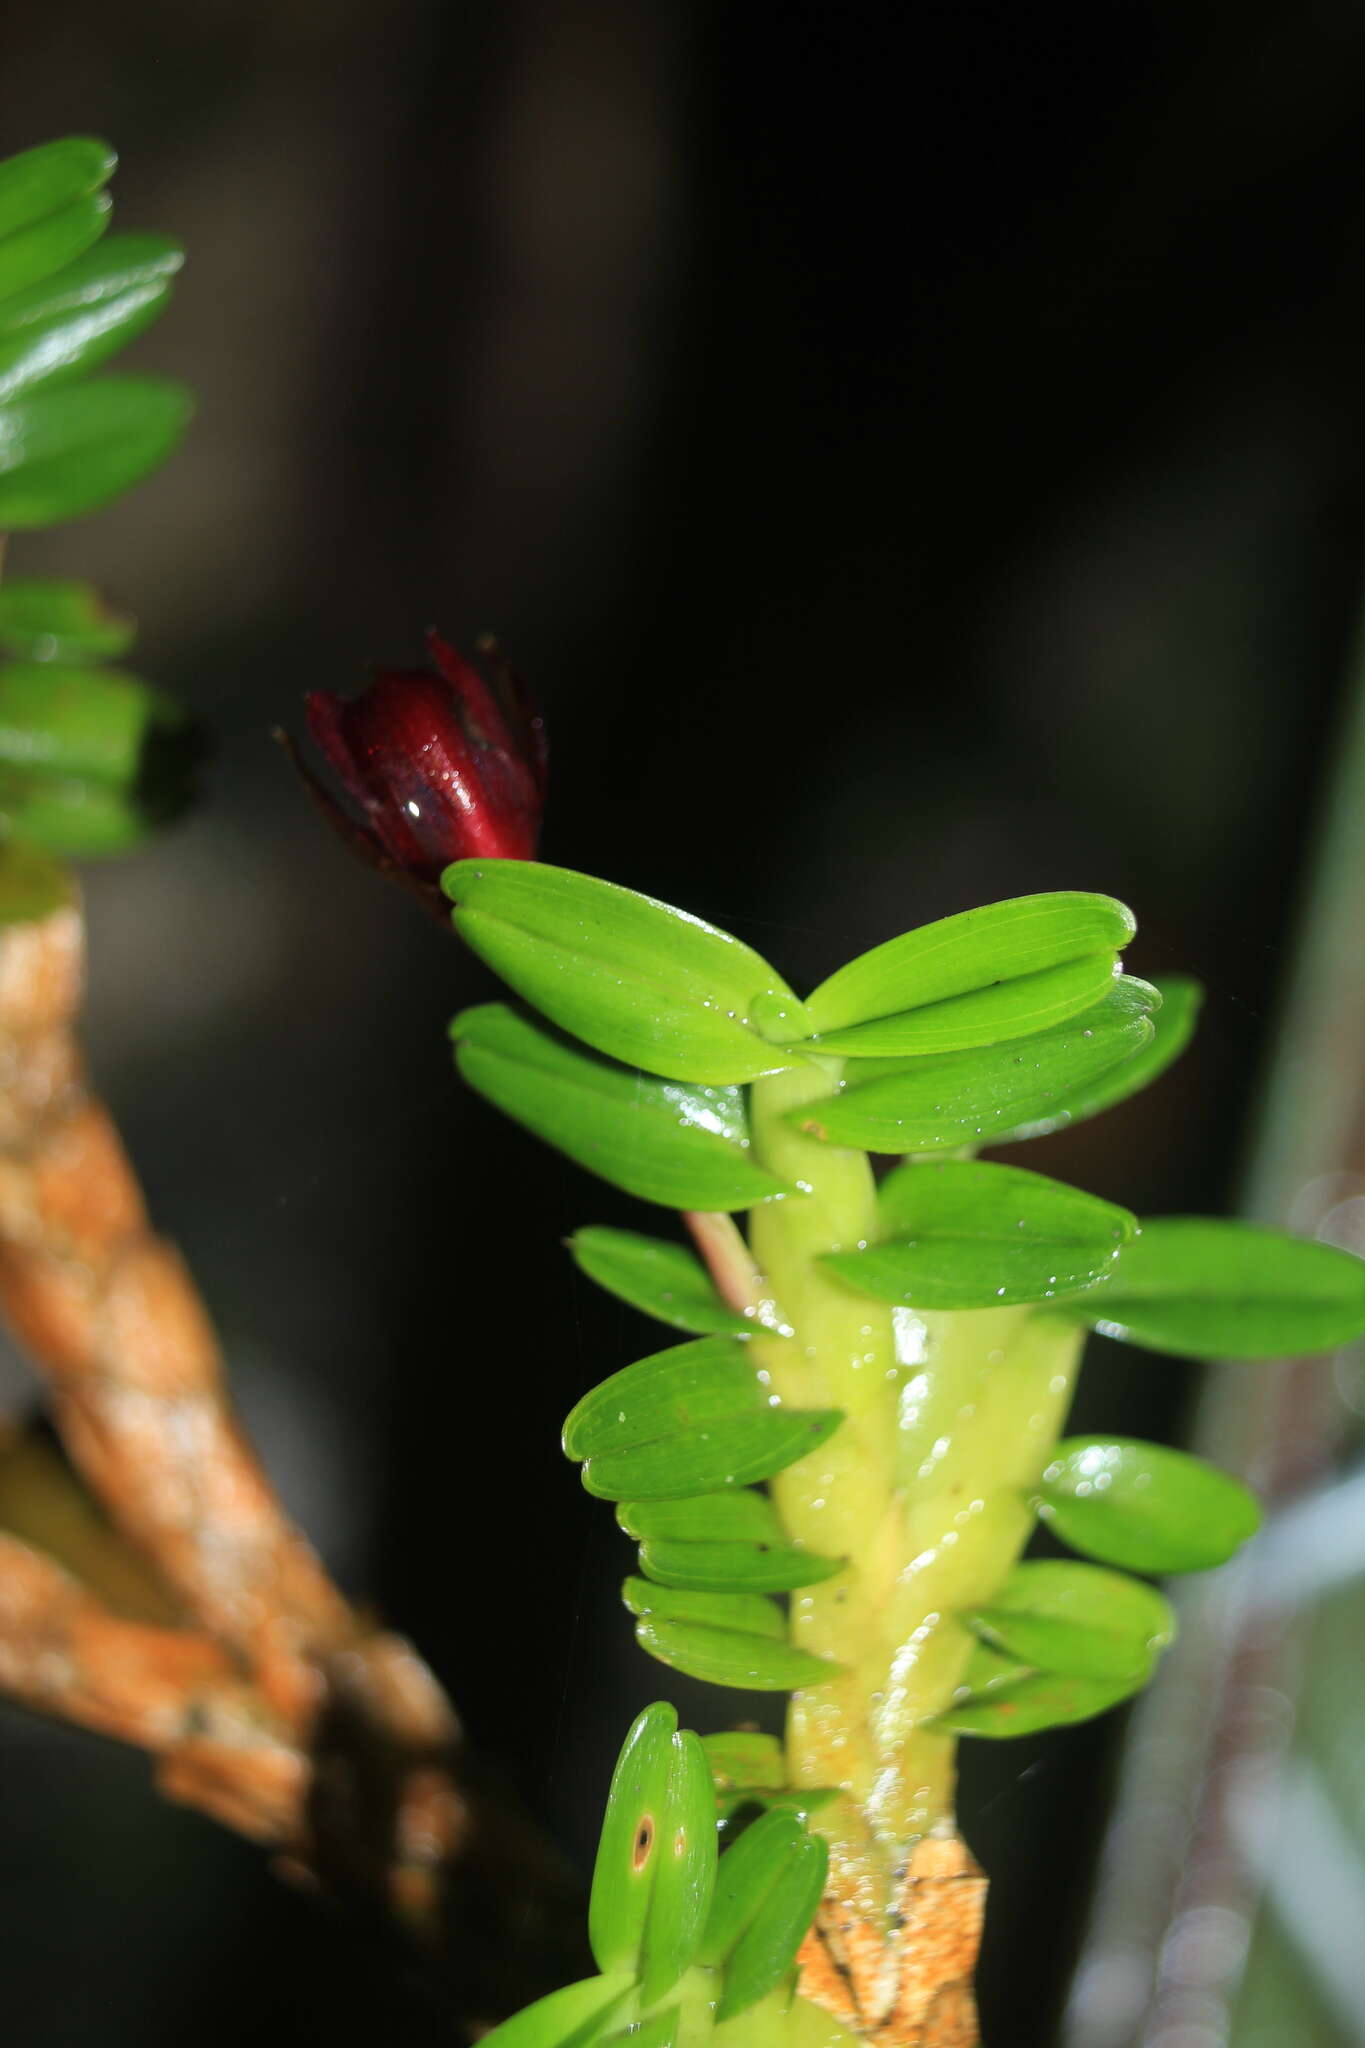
(1142, 1506)
(964, 1098)
(704, 1545)
(52, 619)
(1205, 1288)
(635, 978)
(79, 722)
(661, 1140)
(767, 1891)
(1078, 1619)
(571, 2018)
(1000, 1697)
(660, 2030)
(746, 1611)
(1173, 1024)
(660, 1279)
(743, 1760)
(967, 954)
(731, 1656)
(38, 182)
(67, 452)
(960, 1234)
(32, 884)
(631, 1843)
(68, 324)
(44, 246)
(82, 820)
(690, 1420)
(984, 1016)
(685, 1875)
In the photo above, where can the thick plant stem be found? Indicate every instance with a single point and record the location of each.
(923, 1488)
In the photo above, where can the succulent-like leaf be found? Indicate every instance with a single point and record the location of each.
(660, 1279)
(721, 1543)
(1002, 1697)
(571, 2018)
(967, 954)
(1208, 1288)
(63, 453)
(743, 1759)
(767, 1891)
(661, 1140)
(964, 1098)
(630, 976)
(53, 619)
(79, 722)
(1142, 1506)
(47, 245)
(983, 1016)
(631, 1844)
(748, 1612)
(691, 1420)
(660, 2030)
(1173, 1023)
(1077, 1618)
(725, 1656)
(39, 182)
(685, 1874)
(958, 1234)
(69, 323)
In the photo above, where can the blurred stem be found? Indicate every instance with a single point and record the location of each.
(949, 1418)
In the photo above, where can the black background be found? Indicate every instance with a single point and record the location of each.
(918, 453)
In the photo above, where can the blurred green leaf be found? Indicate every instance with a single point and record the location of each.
(966, 955)
(32, 884)
(685, 1871)
(660, 2030)
(41, 181)
(661, 1140)
(959, 1235)
(635, 978)
(742, 1760)
(767, 1891)
(984, 1016)
(67, 452)
(1001, 1697)
(69, 323)
(1077, 1618)
(1142, 1506)
(660, 1279)
(1207, 1288)
(689, 1420)
(81, 722)
(44, 246)
(52, 619)
(964, 1098)
(571, 2018)
(1173, 1024)
(631, 1843)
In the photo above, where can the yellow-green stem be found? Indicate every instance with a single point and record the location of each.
(923, 1488)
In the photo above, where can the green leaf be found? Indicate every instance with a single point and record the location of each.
(1142, 1506)
(80, 722)
(964, 1098)
(637, 979)
(661, 1140)
(960, 1234)
(571, 2018)
(32, 884)
(41, 181)
(969, 953)
(34, 252)
(632, 1842)
(660, 1279)
(767, 1891)
(1173, 1023)
(1205, 1288)
(745, 1611)
(984, 1016)
(723, 1656)
(685, 1872)
(660, 2030)
(721, 1543)
(743, 1760)
(68, 324)
(690, 1420)
(67, 452)
(1078, 1619)
(81, 820)
(1000, 1697)
(52, 619)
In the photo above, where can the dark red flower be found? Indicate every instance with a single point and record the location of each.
(441, 766)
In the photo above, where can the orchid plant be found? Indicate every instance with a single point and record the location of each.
(833, 1470)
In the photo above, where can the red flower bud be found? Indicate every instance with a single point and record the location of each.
(441, 766)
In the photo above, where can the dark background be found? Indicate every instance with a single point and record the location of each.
(918, 452)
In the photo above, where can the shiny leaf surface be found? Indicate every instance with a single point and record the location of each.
(44, 246)
(571, 2018)
(69, 323)
(631, 1843)
(1001, 1697)
(686, 1870)
(661, 1140)
(630, 976)
(984, 1016)
(63, 453)
(1143, 1506)
(660, 1279)
(725, 1656)
(38, 182)
(1173, 1027)
(1077, 1618)
(770, 1905)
